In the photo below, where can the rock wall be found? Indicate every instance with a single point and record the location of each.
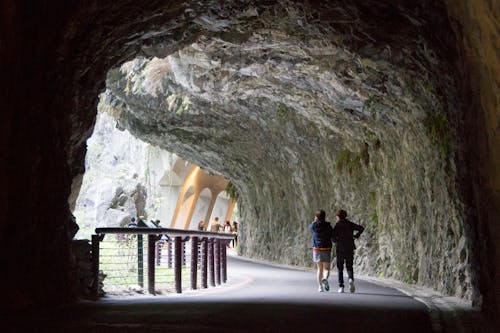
(476, 26)
(122, 179)
(58, 55)
(301, 117)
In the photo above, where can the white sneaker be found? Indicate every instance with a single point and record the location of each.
(325, 284)
(341, 290)
(320, 289)
(352, 288)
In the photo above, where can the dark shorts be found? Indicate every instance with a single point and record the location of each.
(322, 256)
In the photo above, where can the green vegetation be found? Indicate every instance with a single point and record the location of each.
(178, 103)
(374, 141)
(283, 112)
(352, 162)
(343, 159)
(231, 191)
(227, 139)
(184, 105)
(409, 279)
(439, 133)
(370, 103)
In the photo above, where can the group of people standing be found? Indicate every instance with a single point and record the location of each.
(342, 234)
(227, 228)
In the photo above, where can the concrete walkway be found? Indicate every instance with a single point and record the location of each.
(257, 298)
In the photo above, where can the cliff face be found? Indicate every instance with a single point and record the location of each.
(121, 181)
(369, 106)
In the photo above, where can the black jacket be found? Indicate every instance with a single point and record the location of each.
(343, 235)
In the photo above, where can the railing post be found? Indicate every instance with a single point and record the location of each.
(151, 263)
(178, 264)
(159, 248)
(217, 260)
(95, 266)
(140, 261)
(194, 261)
(207, 249)
(224, 260)
(169, 253)
(211, 271)
(183, 254)
(204, 261)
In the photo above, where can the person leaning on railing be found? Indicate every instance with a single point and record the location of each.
(201, 225)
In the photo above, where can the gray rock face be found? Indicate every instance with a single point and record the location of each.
(122, 179)
(300, 115)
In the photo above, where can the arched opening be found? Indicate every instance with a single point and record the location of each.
(313, 111)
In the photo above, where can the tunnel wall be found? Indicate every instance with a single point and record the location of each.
(56, 59)
(479, 64)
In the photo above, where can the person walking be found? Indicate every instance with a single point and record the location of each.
(344, 235)
(322, 232)
(235, 232)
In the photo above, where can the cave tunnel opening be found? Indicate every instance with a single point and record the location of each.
(345, 118)
(358, 106)
(126, 178)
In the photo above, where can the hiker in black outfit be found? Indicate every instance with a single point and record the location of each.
(343, 236)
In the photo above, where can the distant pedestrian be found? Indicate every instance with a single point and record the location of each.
(159, 244)
(235, 233)
(201, 225)
(132, 223)
(228, 230)
(227, 227)
(343, 236)
(215, 226)
(322, 247)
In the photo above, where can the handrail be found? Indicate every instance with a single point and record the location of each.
(212, 246)
(163, 231)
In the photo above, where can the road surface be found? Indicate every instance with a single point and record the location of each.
(257, 298)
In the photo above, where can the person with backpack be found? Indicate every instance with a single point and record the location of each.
(344, 235)
(322, 247)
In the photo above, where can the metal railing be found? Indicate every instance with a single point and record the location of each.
(165, 256)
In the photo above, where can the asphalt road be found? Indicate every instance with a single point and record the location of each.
(257, 298)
